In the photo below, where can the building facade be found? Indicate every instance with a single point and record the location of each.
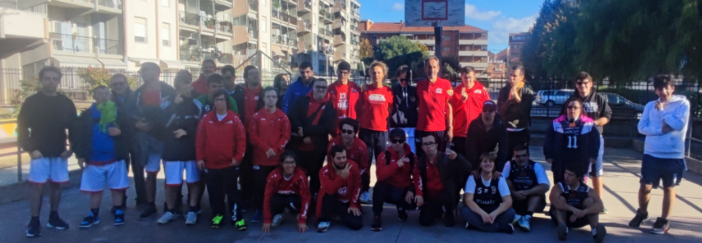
(514, 50)
(467, 44)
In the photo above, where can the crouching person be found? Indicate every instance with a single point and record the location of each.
(101, 151)
(488, 204)
(574, 205)
(287, 187)
(340, 188)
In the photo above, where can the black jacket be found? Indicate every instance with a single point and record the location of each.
(320, 132)
(595, 106)
(404, 112)
(48, 118)
(186, 116)
(155, 116)
(479, 141)
(454, 173)
(239, 96)
(83, 129)
(515, 115)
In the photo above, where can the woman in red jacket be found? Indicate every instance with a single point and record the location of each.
(220, 146)
(269, 132)
(287, 187)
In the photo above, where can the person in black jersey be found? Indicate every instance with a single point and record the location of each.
(488, 204)
(528, 184)
(574, 205)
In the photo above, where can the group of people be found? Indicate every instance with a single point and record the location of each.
(264, 148)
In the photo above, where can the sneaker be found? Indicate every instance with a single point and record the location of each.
(467, 225)
(638, 219)
(377, 225)
(506, 228)
(365, 198)
(323, 226)
(88, 221)
(34, 228)
(167, 217)
(525, 222)
(256, 217)
(660, 226)
(240, 225)
(604, 211)
(449, 219)
(217, 221)
(191, 218)
(562, 231)
(277, 220)
(402, 214)
(119, 217)
(598, 233)
(148, 212)
(56, 222)
(517, 217)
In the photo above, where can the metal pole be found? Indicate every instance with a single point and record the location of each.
(437, 44)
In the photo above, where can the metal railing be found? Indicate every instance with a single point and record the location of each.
(111, 3)
(224, 26)
(189, 18)
(84, 44)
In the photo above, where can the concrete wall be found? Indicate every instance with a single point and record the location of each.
(147, 10)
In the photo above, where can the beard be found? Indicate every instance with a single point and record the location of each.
(340, 168)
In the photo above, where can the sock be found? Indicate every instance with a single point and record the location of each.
(35, 218)
(96, 211)
(192, 209)
(530, 213)
(53, 214)
(594, 231)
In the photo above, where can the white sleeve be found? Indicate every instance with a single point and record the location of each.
(470, 185)
(541, 177)
(505, 171)
(503, 187)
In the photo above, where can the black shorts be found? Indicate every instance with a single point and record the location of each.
(654, 170)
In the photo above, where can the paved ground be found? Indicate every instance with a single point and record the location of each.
(622, 167)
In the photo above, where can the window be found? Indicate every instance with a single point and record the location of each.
(264, 25)
(140, 30)
(446, 48)
(374, 37)
(166, 34)
(447, 37)
(165, 3)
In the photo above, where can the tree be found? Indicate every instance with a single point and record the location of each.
(94, 77)
(366, 51)
(398, 50)
(534, 49)
(423, 47)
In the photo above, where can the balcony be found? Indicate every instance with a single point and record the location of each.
(339, 9)
(16, 36)
(476, 53)
(221, 5)
(473, 42)
(253, 5)
(304, 27)
(304, 6)
(84, 44)
(110, 6)
(355, 15)
(284, 17)
(303, 47)
(325, 16)
(339, 40)
(339, 56)
(354, 27)
(283, 40)
(189, 20)
(224, 27)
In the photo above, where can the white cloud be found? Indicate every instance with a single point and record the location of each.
(473, 13)
(501, 28)
(398, 7)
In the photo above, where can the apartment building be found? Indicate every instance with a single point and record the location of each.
(467, 43)
(514, 50)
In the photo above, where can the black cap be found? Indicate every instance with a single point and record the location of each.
(489, 103)
(398, 133)
(343, 65)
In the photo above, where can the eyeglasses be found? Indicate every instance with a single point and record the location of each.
(570, 107)
(346, 131)
(320, 87)
(488, 110)
(403, 80)
(394, 141)
(344, 72)
(428, 144)
(518, 156)
(581, 83)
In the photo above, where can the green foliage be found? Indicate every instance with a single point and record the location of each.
(366, 52)
(451, 69)
(94, 77)
(398, 50)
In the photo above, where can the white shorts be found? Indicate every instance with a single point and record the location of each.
(174, 172)
(96, 176)
(54, 170)
(154, 164)
(596, 169)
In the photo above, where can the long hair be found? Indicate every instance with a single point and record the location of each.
(221, 92)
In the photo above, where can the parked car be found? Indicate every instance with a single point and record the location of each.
(552, 97)
(617, 101)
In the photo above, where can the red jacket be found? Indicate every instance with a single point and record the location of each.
(296, 185)
(268, 131)
(353, 92)
(434, 184)
(346, 190)
(200, 86)
(399, 177)
(357, 152)
(466, 112)
(218, 142)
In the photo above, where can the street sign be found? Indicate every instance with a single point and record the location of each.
(436, 13)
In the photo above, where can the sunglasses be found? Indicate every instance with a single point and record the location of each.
(397, 140)
(488, 110)
(346, 131)
(581, 83)
(403, 80)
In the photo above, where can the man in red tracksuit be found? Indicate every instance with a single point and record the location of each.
(344, 94)
(220, 144)
(356, 149)
(435, 115)
(467, 102)
(393, 170)
(269, 132)
(341, 186)
(286, 187)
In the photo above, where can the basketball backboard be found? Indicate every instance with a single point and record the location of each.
(435, 12)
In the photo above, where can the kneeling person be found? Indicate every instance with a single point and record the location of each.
(287, 187)
(488, 204)
(574, 205)
(102, 147)
(394, 174)
(340, 183)
(528, 184)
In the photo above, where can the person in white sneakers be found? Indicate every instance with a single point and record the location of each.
(575, 205)
(528, 184)
(41, 131)
(664, 122)
(101, 149)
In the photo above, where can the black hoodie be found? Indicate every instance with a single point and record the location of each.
(479, 141)
(186, 116)
(155, 116)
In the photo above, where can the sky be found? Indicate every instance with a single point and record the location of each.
(498, 17)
